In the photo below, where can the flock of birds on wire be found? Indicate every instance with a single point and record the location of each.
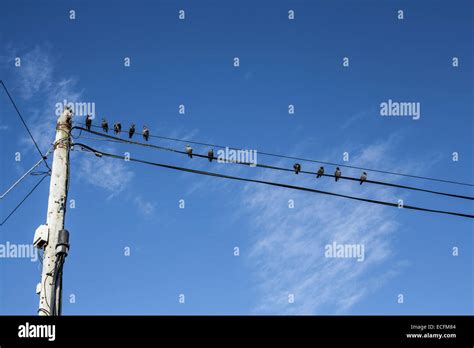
(210, 154)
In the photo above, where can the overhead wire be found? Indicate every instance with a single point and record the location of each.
(305, 159)
(98, 153)
(24, 199)
(24, 123)
(29, 171)
(128, 141)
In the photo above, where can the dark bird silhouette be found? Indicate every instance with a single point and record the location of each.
(117, 127)
(88, 122)
(145, 133)
(297, 168)
(363, 177)
(337, 174)
(320, 172)
(210, 155)
(189, 151)
(131, 131)
(105, 125)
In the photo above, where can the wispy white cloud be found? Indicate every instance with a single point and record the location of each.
(288, 250)
(358, 117)
(144, 207)
(42, 87)
(35, 73)
(107, 173)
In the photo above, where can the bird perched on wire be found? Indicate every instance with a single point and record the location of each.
(88, 122)
(105, 125)
(131, 131)
(189, 151)
(210, 155)
(297, 168)
(145, 133)
(337, 174)
(363, 177)
(117, 128)
(320, 172)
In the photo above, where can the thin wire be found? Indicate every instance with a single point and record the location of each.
(201, 172)
(113, 138)
(44, 311)
(58, 267)
(24, 123)
(40, 257)
(40, 173)
(24, 199)
(24, 175)
(44, 287)
(306, 159)
(98, 139)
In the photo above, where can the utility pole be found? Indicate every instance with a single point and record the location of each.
(52, 236)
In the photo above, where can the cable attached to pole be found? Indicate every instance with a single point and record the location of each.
(24, 199)
(303, 159)
(27, 172)
(127, 141)
(307, 189)
(24, 123)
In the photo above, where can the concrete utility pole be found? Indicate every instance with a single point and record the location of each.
(52, 236)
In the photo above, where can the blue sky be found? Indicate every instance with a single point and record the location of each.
(190, 251)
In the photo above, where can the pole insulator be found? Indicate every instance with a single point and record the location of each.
(63, 242)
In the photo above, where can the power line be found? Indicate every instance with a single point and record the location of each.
(24, 199)
(24, 175)
(201, 172)
(24, 123)
(116, 139)
(306, 159)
